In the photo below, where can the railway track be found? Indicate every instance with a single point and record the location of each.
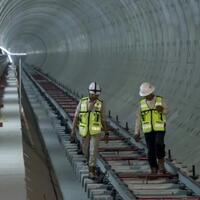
(122, 162)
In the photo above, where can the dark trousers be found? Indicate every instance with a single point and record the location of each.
(156, 147)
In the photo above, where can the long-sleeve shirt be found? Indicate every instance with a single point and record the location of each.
(151, 104)
(90, 108)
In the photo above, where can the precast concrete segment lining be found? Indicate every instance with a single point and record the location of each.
(120, 44)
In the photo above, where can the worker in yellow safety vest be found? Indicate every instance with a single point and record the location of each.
(151, 120)
(90, 120)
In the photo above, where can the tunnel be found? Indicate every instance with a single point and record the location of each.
(119, 44)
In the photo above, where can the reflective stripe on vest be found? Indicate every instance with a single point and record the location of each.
(151, 119)
(90, 121)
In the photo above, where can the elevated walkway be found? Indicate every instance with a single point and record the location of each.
(12, 171)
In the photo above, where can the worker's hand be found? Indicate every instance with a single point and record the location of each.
(106, 137)
(159, 109)
(137, 137)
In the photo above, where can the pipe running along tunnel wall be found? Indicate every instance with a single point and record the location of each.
(120, 44)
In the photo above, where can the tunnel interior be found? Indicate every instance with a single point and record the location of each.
(119, 44)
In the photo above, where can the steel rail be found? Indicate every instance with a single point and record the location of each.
(117, 183)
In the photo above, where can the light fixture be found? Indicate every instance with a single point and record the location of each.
(11, 54)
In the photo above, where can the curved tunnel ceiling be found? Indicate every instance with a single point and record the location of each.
(120, 44)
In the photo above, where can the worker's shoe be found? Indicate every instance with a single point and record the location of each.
(161, 166)
(92, 172)
(154, 170)
(79, 151)
(72, 139)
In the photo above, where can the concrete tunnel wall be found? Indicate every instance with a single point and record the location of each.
(120, 44)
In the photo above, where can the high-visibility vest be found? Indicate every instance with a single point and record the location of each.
(151, 119)
(90, 121)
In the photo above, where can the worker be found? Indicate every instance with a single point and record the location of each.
(151, 120)
(90, 120)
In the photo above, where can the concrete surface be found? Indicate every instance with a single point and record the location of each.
(120, 44)
(3, 63)
(12, 171)
(65, 179)
(40, 181)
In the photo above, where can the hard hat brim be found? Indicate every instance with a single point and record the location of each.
(146, 93)
(96, 93)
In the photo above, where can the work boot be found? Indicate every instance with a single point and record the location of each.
(161, 166)
(154, 170)
(72, 139)
(92, 172)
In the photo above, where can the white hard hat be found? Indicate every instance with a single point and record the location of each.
(146, 89)
(94, 88)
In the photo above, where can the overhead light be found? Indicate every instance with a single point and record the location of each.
(12, 54)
